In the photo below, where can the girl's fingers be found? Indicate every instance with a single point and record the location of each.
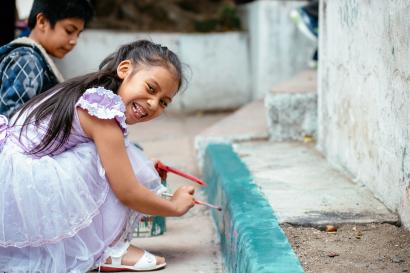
(190, 190)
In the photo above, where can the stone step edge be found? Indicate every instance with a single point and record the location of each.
(252, 240)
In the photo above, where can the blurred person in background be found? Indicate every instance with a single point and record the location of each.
(7, 21)
(306, 19)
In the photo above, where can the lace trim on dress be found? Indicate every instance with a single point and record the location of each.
(104, 104)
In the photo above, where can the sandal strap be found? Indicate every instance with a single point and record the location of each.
(117, 251)
(147, 261)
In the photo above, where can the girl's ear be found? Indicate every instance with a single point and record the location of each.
(123, 69)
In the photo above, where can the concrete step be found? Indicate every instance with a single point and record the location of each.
(304, 189)
(261, 183)
(247, 123)
(292, 108)
(251, 239)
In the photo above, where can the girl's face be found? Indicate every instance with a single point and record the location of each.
(147, 92)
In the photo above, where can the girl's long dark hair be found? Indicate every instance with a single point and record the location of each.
(58, 103)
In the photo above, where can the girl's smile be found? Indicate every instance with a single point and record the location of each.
(147, 91)
(139, 111)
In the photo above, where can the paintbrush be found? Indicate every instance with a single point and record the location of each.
(197, 202)
(166, 168)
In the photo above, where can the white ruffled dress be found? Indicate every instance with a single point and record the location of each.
(58, 212)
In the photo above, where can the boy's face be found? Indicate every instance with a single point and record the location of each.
(63, 37)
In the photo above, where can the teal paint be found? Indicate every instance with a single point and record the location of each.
(251, 239)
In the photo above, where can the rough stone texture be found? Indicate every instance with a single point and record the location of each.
(292, 108)
(364, 98)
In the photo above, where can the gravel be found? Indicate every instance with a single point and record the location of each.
(370, 248)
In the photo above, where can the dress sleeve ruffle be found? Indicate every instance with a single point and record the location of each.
(104, 104)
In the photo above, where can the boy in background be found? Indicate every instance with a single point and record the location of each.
(26, 68)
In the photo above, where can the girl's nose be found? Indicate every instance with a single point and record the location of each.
(153, 103)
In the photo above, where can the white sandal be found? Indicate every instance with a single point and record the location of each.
(147, 262)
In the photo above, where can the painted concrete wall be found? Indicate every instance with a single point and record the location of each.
(218, 70)
(278, 50)
(364, 98)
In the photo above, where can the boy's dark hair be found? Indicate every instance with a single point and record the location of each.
(56, 10)
(59, 107)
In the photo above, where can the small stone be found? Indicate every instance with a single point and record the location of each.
(332, 254)
(331, 229)
(397, 259)
(308, 138)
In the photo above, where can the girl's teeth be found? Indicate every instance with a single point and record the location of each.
(138, 110)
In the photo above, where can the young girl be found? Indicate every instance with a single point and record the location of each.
(69, 178)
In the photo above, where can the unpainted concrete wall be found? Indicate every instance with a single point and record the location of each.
(218, 70)
(364, 98)
(227, 69)
(278, 50)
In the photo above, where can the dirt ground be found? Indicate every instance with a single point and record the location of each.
(370, 248)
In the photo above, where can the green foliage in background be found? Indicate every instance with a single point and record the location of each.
(227, 20)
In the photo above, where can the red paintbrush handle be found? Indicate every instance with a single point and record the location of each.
(166, 168)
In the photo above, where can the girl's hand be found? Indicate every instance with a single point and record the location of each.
(183, 199)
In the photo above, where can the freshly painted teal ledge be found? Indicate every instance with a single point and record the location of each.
(251, 239)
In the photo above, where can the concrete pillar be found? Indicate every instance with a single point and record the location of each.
(364, 98)
(278, 50)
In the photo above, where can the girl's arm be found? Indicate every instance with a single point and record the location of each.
(109, 140)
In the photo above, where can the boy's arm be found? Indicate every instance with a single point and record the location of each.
(22, 78)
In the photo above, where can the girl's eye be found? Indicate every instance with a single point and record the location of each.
(150, 89)
(163, 103)
(69, 32)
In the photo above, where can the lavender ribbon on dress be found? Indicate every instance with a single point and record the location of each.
(4, 126)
